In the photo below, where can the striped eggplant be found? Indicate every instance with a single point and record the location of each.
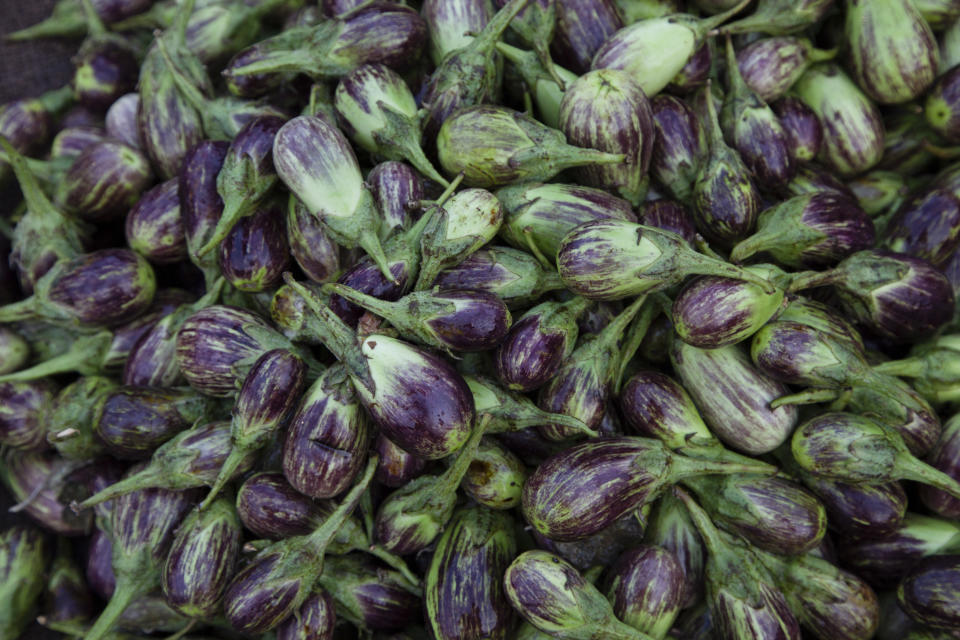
(645, 586)
(23, 558)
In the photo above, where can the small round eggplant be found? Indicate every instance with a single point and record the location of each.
(314, 620)
(495, 477)
(802, 126)
(105, 68)
(23, 559)
(645, 586)
(105, 180)
(464, 587)
(272, 509)
(930, 592)
(770, 66)
(23, 407)
(154, 228)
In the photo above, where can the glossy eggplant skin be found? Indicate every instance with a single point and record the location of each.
(272, 509)
(464, 592)
(369, 595)
(314, 620)
(930, 592)
(646, 586)
(255, 253)
(154, 227)
(581, 29)
(22, 413)
(945, 457)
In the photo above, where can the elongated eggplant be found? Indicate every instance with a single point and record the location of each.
(464, 587)
(645, 586)
(946, 458)
(23, 558)
(780, 17)
(856, 449)
(514, 276)
(202, 559)
(370, 596)
(550, 594)
(770, 66)
(680, 146)
(605, 109)
(396, 187)
(929, 591)
(153, 226)
(328, 436)
(718, 380)
(623, 473)
(614, 259)
(316, 253)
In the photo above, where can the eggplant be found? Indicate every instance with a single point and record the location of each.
(671, 529)
(512, 411)
(927, 225)
(200, 203)
(623, 473)
(615, 259)
(67, 598)
(23, 558)
(803, 129)
(314, 620)
(670, 216)
(369, 596)
(734, 397)
(464, 590)
(154, 228)
(696, 72)
(28, 123)
(327, 438)
(680, 147)
(99, 566)
(37, 482)
(514, 276)
(451, 23)
(606, 110)
(121, 120)
(545, 84)
(315, 252)
(780, 17)
(770, 66)
(645, 586)
(22, 413)
(929, 593)
(945, 458)
(396, 188)
(105, 67)
(581, 29)
(495, 476)
(397, 467)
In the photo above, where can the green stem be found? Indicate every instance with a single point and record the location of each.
(236, 205)
(760, 241)
(369, 241)
(811, 396)
(400, 140)
(383, 308)
(913, 367)
(22, 310)
(236, 457)
(147, 478)
(84, 356)
(126, 591)
(491, 33)
(736, 84)
(66, 21)
(682, 467)
(708, 531)
(810, 279)
(531, 242)
(612, 333)
(821, 55)
(294, 61)
(447, 483)
(181, 22)
(705, 265)
(634, 338)
(95, 26)
(706, 25)
(718, 453)
(187, 89)
(911, 468)
(394, 561)
(713, 122)
(57, 100)
(326, 532)
(36, 200)
(567, 156)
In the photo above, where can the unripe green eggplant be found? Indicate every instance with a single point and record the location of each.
(495, 146)
(495, 477)
(653, 51)
(606, 109)
(464, 586)
(893, 53)
(615, 259)
(856, 449)
(202, 559)
(930, 592)
(552, 596)
(564, 498)
(23, 559)
(712, 312)
(734, 397)
(452, 24)
(832, 603)
(857, 138)
(645, 586)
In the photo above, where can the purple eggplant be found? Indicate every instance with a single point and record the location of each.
(397, 467)
(133, 421)
(813, 178)
(510, 411)
(550, 594)
(200, 203)
(538, 215)
(711, 312)
(100, 289)
(451, 24)
(396, 188)
(623, 473)
(72, 141)
(328, 436)
(105, 67)
(281, 576)
(142, 529)
(696, 72)
(254, 254)
(645, 586)
(771, 66)
(605, 109)
(28, 123)
(104, 180)
(669, 215)
(22, 413)
(929, 592)
(99, 566)
(614, 259)
(514, 276)
(945, 458)
(464, 589)
(37, 482)
(854, 448)
(447, 320)
(314, 620)
(121, 120)
(581, 29)
(741, 593)
(932, 367)
(370, 596)
(419, 401)
(733, 397)
(190, 459)
(154, 228)
(680, 147)
(545, 85)
(495, 477)
(927, 225)
(802, 126)
(67, 598)
(202, 559)
(896, 296)
(23, 559)
(670, 528)
(538, 343)
(317, 255)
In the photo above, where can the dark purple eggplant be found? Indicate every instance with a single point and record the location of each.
(105, 67)
(832, 603)
(314, 620)
(671, 528)
(605, 109)
(680, 147)
(550, 594)
(770, 66)
(327, 439)
(538, 215)
(23, 406)
(281, 576)
(192, 458)
(255, 253)
(154, 228)
(99, 566)
(370, 596)
(67, 598)
(133, 421)
(36, 481)
(742, 594)
(711, 312)
(310, 245)
(645, 586)
(200, 203)
(581, 29)
(930, 592)
(202, 559)
(813, 178)
(417, 398)
(622, 474)
(538, 343)
(854, 448)
(771, 513)
(898, 296)
(23, 559)
(669, 215)
(28, 123)
(927, 225)
(395, 187)
(142, 529)
(802, 127)
(945, 457)
(121, 120)
(696, 72)
(464, 589)
(397, 467)
(883, 561)
(447, 320)
(514, 276)
(734, 397)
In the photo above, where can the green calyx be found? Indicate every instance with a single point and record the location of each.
(85, 356)
(512, 411)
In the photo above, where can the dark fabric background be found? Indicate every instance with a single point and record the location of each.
(27, 70)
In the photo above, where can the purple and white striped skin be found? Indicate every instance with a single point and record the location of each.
(646, 586)
(23, 407)
(397, 190)
(377, 598)
(71, 141)
(121, 120)
(28, 474)
(314, 620)
(770, 66)
(930, 592)
(859, 510)
(327, 439)
(272, 509)
(99, 566)
(105, 180)
(154, 227)
(802, 127)
(105, 68)
(605, 109)
(669, 215)
(200, 203)
(582, 27)
(946, 458)
(317, 255)
(680, 146)
(670, 527)
(254, 254)
(450, 21)
(927, 225)
(111, 11)
(695, 73)
(397, 467)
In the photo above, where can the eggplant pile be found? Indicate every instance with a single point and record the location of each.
(484, 320)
